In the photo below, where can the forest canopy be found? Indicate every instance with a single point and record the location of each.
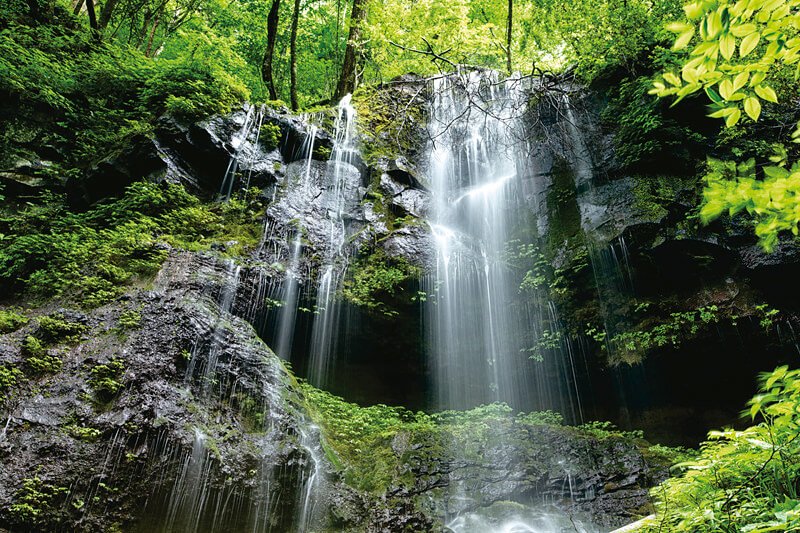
(256, 42)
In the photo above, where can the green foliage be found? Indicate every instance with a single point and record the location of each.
(86, 434)
(728, 33)
(38, 360)
(91, 256)
(104, 379)
(11, 321)
(190, 92)
(35, 502)
(740, 47)
(130, 319)
(360, 436)
(9, 377)
(54, 329)
(270, 135)
(374, 279)
(772, 201)
(631, 345)
(604, 430)
(743, 481)
(647, 138)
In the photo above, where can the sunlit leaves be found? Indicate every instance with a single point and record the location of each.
(723, 27)
(743, 480)
(765, 32)
(772, 199)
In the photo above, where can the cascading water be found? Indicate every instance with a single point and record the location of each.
(343, 158)
(290, 288)
(479, 325)
(318, 201)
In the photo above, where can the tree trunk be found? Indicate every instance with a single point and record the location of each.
(293, 57)
(92, 19)
(508, 38)
(347, 79)
(153, 32)
(105, 14)
(272, 37)
(78, 7)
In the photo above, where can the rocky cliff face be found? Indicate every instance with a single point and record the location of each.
(165, 410)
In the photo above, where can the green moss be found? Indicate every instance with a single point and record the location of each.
(129, 320)
(9, 378)
(38, 360)
(104, 379)
(11, 321)
(55, 329)
(653, 193)
(391, 122)
(374, 280)
(564, 214)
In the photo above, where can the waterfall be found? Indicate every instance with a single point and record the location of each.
(290, 289)
(484, 324)
(318, 201)
(475, 335)
(327, 311)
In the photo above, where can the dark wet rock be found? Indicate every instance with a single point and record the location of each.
(607, 480)
(295, 134)
(190, 369)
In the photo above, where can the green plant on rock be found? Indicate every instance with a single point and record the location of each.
(270, 135)
(86, 434)
(743, 481)
(9, 377)
(55, 329)
(35, 502)
(375, 279)
(129, 320)
(104, 379)
(11, 321)
(38, 359)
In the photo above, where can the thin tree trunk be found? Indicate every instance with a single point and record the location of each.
(272, 37)
(293, 57)
(347, 78)
(508, 38)
(105, 14)
(153, 32)
(92, 19)
(78, 7)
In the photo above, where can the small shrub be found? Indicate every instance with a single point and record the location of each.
(37, 359)
(104, 379)
(11, 321)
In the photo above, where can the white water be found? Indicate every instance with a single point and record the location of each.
(474, 335)
(479, 325)
(328, 311)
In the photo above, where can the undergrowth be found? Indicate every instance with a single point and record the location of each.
(47, 250)
(744, 481)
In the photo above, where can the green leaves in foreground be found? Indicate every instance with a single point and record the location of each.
(739, 43)
(773, 201)
(744, 481)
